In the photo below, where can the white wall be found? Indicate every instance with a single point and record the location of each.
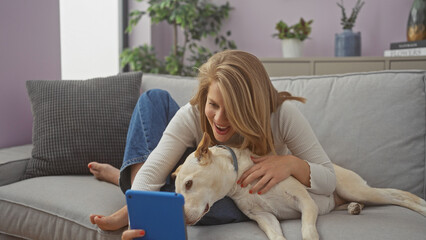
(90, 44)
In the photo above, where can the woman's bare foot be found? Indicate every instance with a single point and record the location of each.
(104, 172)
(113, 222)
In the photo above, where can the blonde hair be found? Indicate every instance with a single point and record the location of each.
(248, 94)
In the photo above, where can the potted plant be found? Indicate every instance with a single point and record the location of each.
(196, 20)
(348, 43)
(292, 37)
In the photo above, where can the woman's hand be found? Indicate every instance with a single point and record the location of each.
(132, 233)
(272, 169)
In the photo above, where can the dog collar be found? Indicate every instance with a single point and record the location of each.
(234, 157)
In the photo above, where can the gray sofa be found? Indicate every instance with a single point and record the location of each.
(373, 123)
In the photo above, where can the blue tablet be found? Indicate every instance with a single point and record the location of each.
(160, 214)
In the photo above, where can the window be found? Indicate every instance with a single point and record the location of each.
(90, 38)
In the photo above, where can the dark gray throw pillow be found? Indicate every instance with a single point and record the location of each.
(76, 122)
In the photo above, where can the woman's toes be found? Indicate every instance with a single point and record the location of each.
(109, 223)
(94, 218)
(90, 165)
(104, 172)
(94, 165)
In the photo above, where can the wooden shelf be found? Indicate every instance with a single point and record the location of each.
(332, 65)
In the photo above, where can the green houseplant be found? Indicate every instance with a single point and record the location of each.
(197, 19)
(292, 36)
(300, 30)
(348, 43)
(349, 22)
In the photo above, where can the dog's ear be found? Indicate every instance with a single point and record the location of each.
(203, 153)
(175, 173)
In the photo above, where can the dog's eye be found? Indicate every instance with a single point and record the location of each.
(188, 184)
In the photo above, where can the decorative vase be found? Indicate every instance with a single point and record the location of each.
(416, 25)
(292, 48)
(347, 44)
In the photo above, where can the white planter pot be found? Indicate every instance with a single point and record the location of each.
(292, 48)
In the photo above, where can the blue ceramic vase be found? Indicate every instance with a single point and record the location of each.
(347, 44)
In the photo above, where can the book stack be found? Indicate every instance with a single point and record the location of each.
(406, 49)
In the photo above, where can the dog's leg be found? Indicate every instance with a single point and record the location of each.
(309, 211)
(268, 223)
(306, 205)
(351, 187)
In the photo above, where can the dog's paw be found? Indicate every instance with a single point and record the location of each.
(354, 208)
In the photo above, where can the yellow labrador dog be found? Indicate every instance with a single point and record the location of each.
(211, 173)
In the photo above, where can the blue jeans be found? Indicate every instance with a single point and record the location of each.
(153, 111)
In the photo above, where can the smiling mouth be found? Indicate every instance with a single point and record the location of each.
(221, 130)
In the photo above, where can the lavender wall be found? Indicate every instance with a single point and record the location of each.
(252, 24)
(30, 42)
(29, 49)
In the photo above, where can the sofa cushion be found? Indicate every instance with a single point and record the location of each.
(76, 122)
(60, 211)
(180, 88)
(373, 123)
(380, 222)
(364, 121)
(13, 162)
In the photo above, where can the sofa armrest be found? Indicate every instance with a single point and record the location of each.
(13, 162)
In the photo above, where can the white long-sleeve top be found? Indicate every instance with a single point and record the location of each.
(291, 132)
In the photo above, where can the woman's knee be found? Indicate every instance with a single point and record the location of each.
(156, 94)
(157, 97)
(160, 100)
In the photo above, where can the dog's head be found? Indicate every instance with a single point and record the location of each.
(206, 176)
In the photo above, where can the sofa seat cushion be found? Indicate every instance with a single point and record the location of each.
(62, 210)
(378, 222)
(58, 207)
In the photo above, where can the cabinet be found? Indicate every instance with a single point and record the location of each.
(321, 66)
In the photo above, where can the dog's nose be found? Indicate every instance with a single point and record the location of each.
(188, 222)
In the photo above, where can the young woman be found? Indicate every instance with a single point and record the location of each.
(237, 105)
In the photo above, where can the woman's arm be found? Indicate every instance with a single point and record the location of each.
(273, 169)
(301, 140)
(309, 163)
(182, 132)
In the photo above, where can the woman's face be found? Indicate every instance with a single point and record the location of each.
(216, 114)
